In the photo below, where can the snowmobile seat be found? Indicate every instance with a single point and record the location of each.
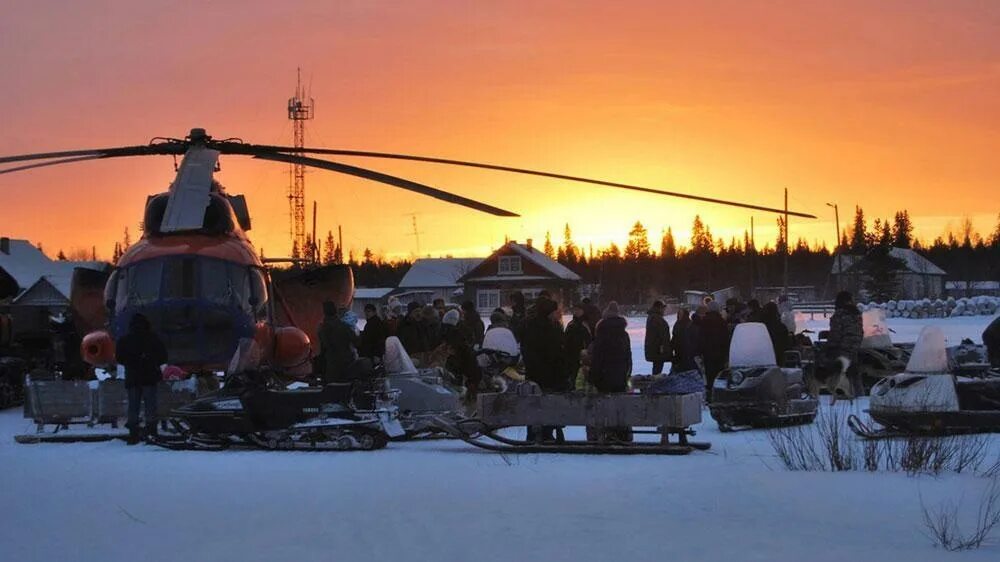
(978, 394)
(337, 392)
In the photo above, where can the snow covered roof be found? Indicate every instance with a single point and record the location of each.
(24, 262)
(27, 265)
(556, 268)
(437, 272)
(913, 261)
(371, 292)
(976, 285)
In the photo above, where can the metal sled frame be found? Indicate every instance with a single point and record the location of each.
(670, 415)
(926, 424)
(62, 404)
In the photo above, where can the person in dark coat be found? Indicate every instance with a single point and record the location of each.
(410, 333)
(430, 325)
(713, 341)
(611, 365)
(338, 344)
(780, 336)
(754, 313)
(683, 343)
(518, 314)
(543, 348)
(991, 339)
(657, 345)
(471, 325)
(461, 361)
(578, 338)
(846, 333)
(611, 353)
(499, 319)
(373, 336)
(591, 314)
(142, 353)
(543, 351)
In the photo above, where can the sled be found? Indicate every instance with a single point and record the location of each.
(670, 415)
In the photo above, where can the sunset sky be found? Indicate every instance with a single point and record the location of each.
(889, 105)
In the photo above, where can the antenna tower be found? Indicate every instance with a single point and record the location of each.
(300, 110)
(415, 233)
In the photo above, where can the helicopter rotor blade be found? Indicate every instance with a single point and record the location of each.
(255, 149)
(386, 179)
(169, 147)
(50, 163)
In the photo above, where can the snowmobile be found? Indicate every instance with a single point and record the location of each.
(968, 359)
(250, 410)
(878, 356)
(424, 394)
(927, 399)
(754, 391)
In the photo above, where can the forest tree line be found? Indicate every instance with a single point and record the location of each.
(642, 271)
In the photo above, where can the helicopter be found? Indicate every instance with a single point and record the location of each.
(195, 274)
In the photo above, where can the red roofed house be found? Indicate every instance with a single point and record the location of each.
(517, 267)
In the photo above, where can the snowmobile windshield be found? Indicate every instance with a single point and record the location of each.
(751, 346)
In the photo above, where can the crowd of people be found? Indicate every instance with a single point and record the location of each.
(591, 353)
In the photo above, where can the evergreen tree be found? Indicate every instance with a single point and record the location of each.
(668, 249)
(127, 241)
(338, 254)
(296, 254)
(701, 237)
(570, 252)
(880, 268)
(860, 231)
(61, 256)
(547, 248)
(902, 230)
(885, 236)
(638, 243)
(369, 256)
(330, 249)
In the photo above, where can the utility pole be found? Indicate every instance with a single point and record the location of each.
(300, 110)
(340, 242)
(753, 259)
(836, 245)
(785, 236)
(315, 248)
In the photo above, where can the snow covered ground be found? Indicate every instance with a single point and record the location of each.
(447, 501)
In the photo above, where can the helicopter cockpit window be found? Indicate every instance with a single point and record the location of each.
(179, 282)
(140, 284)
(225, 283)
(258, 290)
(111, 288)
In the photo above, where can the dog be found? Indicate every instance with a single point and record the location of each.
(833, 377)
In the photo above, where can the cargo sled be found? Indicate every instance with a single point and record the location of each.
(669, 416)
(754, 391)
(927, 399)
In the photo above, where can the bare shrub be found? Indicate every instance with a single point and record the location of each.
(829, 445)
(840, 446)
(941, 523)
(796, 448)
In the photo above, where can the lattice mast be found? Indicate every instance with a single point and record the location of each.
(300, 110)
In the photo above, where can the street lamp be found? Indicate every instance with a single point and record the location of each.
(836, 246)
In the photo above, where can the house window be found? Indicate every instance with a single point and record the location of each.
(510, 265)
(488, 299)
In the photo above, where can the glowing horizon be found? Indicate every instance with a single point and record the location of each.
(889, 106)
